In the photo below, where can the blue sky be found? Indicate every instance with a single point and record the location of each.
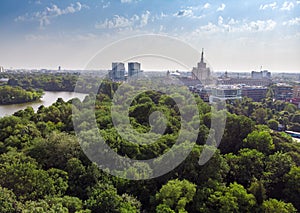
(236, 35)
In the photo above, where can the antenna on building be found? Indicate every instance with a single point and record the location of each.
(202, 55)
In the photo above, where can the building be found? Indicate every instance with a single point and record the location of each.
(202, 72)
(265, 74)
(296, 92)
(296, 96)
(246, 81)
(283, 91)
(1, 69)
(256, 93)
(134, 68)
(118, 72)
(224, 92)
(205, 93)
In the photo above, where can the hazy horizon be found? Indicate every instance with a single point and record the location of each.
(237, 36)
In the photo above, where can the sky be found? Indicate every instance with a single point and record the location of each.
(236, 35)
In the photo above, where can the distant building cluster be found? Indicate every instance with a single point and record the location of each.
(118, 71)
(1, 69)
(227, 88)
(265, 74)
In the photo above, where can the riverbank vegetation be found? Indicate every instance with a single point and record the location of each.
(53, 81)
(17, 95)
(43, 168)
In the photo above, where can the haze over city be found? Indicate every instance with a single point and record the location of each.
(236, 35)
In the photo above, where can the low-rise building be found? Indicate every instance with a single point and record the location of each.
(255, 93)
(246, 81)
(283, 91)
(296, 96)
(224, 92)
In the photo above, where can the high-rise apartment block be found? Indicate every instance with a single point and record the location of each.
(134, 68)
(117, 73)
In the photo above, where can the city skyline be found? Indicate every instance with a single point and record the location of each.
(236, 36)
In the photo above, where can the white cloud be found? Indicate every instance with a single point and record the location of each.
(189, 12)
(129, 1)
(259, 26)
(161, 28)
(210, 27)
(272, 6)
(221, 7)
(106, 5)
(220, 20)
(297, 2)
(287, 6)
(44, 17)
(32, 37)
(292, 22)
(235, 26)
(206, 6)
(183, 13)
(232, 21)
(118, 22)
(145, 18)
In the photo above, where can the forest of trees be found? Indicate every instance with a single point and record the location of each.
(255, 169)
(52, 82)
(17, 95)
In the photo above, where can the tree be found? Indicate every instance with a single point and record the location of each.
(8, 201)
(275, 206)
(237, 128)
(292, 186)
(258, 190)
(233, 198)
(22, 175)
(176, 194)
(80, 178)
(273, 124)
(291, 108)
(259, 115)
(72, 204)
(55, 150)
(276, 167)
(42, 206)
(246, 166)
(260, 140)
(163, 208)
(104, 198)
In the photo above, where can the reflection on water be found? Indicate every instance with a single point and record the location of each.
(48, 99)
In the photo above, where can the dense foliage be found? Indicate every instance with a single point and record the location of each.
(17, 95)
(255, 169)
(52, 81)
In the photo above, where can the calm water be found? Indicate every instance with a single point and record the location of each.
(48, 99)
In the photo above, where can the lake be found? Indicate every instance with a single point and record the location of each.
(47, 100)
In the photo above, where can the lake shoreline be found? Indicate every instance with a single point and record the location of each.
(48, 99)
